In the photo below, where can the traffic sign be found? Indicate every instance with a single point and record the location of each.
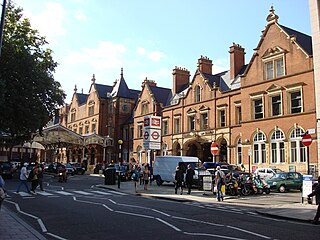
(146, 135)
(306, 140)
(214, 148)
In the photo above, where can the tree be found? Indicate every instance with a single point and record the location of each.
(29, 95)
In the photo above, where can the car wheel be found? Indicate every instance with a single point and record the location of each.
(282, 189)
(267, 190)
(245, 191)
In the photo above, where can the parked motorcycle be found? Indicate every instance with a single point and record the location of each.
(62, 174)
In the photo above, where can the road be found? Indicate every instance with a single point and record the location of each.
(79, 210)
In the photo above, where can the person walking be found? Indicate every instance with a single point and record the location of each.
(146, 176)
(219, 176)
(189, 177)
(135, 176)
(179, 180)
(34, 178)
(316, 193)
(23, 178)
(2, 189)
(40, 176)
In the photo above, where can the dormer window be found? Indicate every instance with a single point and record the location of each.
(91, 110)
(197, 94)
(274, 63)
(144, 108)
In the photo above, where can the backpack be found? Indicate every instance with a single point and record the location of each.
(221, 177)
(31, 175)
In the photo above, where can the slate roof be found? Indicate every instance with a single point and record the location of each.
(217, 80)
(121, 90)
(103, 90)
(82, 98)
(305, 41)
(161, 95)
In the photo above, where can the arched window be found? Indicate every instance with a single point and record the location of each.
(277, 147)
(297, 150)
(259, 148)
(239, 151)
(197, 94)
(164, 149)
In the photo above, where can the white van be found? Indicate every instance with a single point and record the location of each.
(164, 168)
(267, 173)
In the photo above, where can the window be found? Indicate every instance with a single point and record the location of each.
(277, 147)
(191, 123)
(295, 102)
(238, 115)
(140, 131)
(91, 110)
(125, 134)
(222, 118)
(297, 149)
(165, 128)
(144, 109)
(198, 94)
(204, 121)
(274, 69)
(258, 108)
(86, 129)
(177, 125)
(259, 148)
(80, 130)
(93, 128)
(276, 105)
(239, 151)
(73, 116)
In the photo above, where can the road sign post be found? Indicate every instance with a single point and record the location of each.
(306, 141)
(214, 148)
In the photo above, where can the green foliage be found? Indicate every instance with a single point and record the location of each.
(29, 95)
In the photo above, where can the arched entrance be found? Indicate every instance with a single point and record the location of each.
(176, 149)
(193, 149)
(223, 153)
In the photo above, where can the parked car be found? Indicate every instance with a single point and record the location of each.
(267, 173)
(7, 169)
(78, 168)
(70, 169)
(285, 181)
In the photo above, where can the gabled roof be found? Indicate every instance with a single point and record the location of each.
(304, 41)
(82, 98)
(216, 80)
(103, 90)
(161, 95)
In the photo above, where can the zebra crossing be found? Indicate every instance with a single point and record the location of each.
(58, 193)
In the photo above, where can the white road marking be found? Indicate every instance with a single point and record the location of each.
(45, 193)
(110, 209)
(212, 235)
(165, 214)
(64, 193)
(25, 194)
(83, 193)
(246, 231)
(55, 236)
(119, 193)
(103, 193)
(168, 224)
(194, 220)
(135, 214)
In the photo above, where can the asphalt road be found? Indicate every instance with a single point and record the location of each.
(78, 210)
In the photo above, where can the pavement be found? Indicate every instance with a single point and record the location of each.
(13, 227)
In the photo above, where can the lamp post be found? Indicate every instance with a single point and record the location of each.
(120, 162)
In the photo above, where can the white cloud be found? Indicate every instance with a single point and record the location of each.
(79, 15)
(141, 51)
(159, 75)
(156, 56)
(220, 65)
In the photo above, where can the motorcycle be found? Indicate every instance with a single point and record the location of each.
(62, 174)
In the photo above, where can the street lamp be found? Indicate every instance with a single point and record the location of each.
(120, 143)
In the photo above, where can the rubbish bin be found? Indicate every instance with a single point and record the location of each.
(110, 176)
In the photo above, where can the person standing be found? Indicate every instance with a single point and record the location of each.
(34, 178)
(179, 180)
(146, 176)
(219, 176)
(40, 176)
(189, 178)
(23, 178)
(316, 193)
(135, 176)
(2, 189)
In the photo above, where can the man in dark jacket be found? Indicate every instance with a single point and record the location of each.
(179, 180)
(316, 193)
(189, 178)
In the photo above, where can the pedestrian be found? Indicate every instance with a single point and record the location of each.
(40, 177)
(189, 177)
(34, 178)
(146, 176)
(23, 178)
(135, 176)
(220, 180)
(141, 169)
(2, 189)
(316, 193)
(179, 180)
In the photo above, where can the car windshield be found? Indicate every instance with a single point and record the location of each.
(277, 170)
(280, 175)
(68, 165)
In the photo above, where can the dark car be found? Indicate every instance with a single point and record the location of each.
(7, 169)
(78, 168)
(284, 181)
(70, 169)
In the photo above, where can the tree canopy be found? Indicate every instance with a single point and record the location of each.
(29, 94)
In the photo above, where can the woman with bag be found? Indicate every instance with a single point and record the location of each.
(135, 176)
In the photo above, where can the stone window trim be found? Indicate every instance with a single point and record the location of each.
(254, 98)
(291, 91)
(272, 55)
(270, 96)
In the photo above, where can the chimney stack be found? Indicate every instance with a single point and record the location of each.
(205, 64)
(236, 59)
(180, 78)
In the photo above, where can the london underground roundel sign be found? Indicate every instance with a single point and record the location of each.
(214, 148)
(306, 140)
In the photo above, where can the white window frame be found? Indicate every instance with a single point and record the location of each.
(253, 100)
(239, 152)
(177, 125)
(197, 94)
(204, 120)
(259, 148)
(271, 96)
(192, 122)
(298, 152)
(277, 147)
(272, 62)
(165, 127)
(290, 92)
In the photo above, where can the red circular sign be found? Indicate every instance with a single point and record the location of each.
(306, 140)
(155, 135)
(214, 148)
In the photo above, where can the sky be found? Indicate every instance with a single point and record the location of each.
(149, 38)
